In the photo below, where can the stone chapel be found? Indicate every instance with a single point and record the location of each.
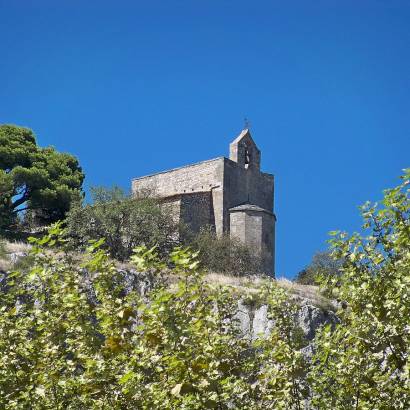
(231, 195)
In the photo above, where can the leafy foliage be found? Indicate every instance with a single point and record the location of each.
(40, 180)
(123, 222)
(225, 254)
(365, 362)
(67, 345)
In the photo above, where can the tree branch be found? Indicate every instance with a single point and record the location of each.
(19, 210)
(21, 200)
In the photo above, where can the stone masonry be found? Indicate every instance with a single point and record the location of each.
(230, 195)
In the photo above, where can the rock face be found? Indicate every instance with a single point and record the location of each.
(12, 259)
(254, 321)
(131, 279)
(310, 318)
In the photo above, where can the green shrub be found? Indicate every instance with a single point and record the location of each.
(24, 263)
(225, 254)
(123, 222)
(365, 362)
(323, 264)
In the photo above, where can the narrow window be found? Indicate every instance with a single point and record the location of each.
(247, 158)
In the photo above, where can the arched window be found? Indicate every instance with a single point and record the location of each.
(247, 157)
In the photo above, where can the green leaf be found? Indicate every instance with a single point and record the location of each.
(127, 376)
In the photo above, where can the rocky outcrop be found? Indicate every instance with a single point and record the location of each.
(254, 321)
(310, 318)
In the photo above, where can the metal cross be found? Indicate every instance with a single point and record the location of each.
(247, 124)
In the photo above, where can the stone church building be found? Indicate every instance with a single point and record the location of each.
(231, 195)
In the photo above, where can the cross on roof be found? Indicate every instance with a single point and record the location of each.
(247, 124)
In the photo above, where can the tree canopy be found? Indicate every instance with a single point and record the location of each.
(365, 362)
(36, 179)
(322, 264)
(123, 221)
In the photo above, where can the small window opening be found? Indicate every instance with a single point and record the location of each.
(247, 158)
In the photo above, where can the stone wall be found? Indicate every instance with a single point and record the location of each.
(268, 240)
(197, 210)
(172, 206)
(256, 229)
(200, 177)
(247, 186)
(206, 176)
(255, 226)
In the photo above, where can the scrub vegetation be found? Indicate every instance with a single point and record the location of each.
(73, 336)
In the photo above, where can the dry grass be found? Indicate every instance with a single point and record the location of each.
(248, 282)
(5, 264)
(17, 247)
(309, 293)
(301, 293)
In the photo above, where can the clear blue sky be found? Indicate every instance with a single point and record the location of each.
(134, 87)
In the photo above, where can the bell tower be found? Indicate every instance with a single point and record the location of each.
(244, 151)
(249, 199)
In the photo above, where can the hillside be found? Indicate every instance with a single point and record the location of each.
(315, 308)
(81, 330)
